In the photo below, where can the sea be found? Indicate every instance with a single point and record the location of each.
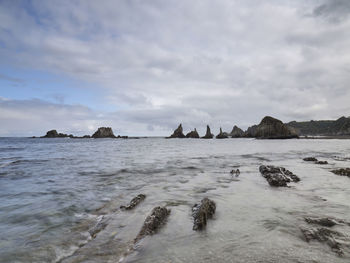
(53, 191)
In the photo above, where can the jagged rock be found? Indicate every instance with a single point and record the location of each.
(310, 159)
(236, 132)
(55, 134)
(104, 132)
(201, 212)
(134, 202)
(178, 133)
(153, 222)
(192, 134)
(271, 128)
(222, 135)
(325, 235)
(342, 172)
(323, 221)
(321, 162)
(251, 131)
(101, 224)
(277, 176)
(208, 134)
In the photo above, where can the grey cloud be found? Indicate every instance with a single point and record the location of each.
(334, 10)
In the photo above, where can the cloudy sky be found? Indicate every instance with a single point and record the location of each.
(144, 66)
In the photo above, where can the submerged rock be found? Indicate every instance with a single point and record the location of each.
(321, 162)
(236, 132)
(324, 221)
(101, 224)
(104, 132)
(277, 176)
(192, 134)
(201, 212)
(134, 202)
(153, 222)
(310, 159)
(222, 135)
(342, 172)
(178, 133)
(208, 134)
(325, 235)
(271, 128)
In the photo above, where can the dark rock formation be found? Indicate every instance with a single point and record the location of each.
(277, 176)
(178, 133)
(310, 159)
(104, 132)
(342, 172)
(271, 128)
(201, 212)
(192, 134)
(321, 162)
(325, 235)
(236, 132)
(134, 202)
(323, 221)
(208, 134)
(153, 222)
(222, 135)
(55, 134)
(251, 131)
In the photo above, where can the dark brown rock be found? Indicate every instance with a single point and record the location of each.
(202, 212)
(236, 132)
(251, 131)
(342, 172)
(321, 162)
(153, 222)
(134, 202)
(222, 135)
(192, 134)
(178, 133)
(323, 221)
(271, 128)
(208, 134)
(310, 159)
(277, 176)
(104, 132)
(55, 134)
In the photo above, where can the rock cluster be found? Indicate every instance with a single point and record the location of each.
(104, 132)
(342, 172)
(313, 159)
(222, 135)
(55, 134)
(208, 134)
(202, 212)
(277, 176)
(236, 132)
(134, 202)
(193, 134)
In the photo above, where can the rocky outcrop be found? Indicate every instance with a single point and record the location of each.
(342, 172)
(222, 135)
(271, 128)
(208, 134)
(321, 162)
(178, 133)
(277, 176)
(153, 222)
(104, 132)
(310, 159)
(192, 134)
(202, 212)
(251, 131)
(55, 134)
(134, 202)
(236, 132)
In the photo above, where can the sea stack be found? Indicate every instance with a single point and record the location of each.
(104, 132)
(55, 134)
(178, 133)
(208, 134)
(222, 135)
(193, 134)
(236, 132)
(271, 128)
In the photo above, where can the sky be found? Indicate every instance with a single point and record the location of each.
(144, 66)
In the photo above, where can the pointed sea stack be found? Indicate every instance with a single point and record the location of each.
(222, 135)
(271, 128)
(193, 134)
(208, 134)
(236, 132)
(104, 132)
(178, 133)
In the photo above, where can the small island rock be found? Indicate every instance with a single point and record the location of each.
(208, 134)
(236, 132)
(222, 135)
(104, 132)
(192, 134)
(178, 133)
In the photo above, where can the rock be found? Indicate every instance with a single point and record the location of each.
(104, 132)
(251, 131)
(208, 134)
(271, 128)
(321, 162)
(55, 134)
(86, 136)
(323, 221)
(277, 176)
(222, 135)
(153, 222)
(236, 132)
(101, 224)
(178, 133)
(342, 172)
(310, 159)
(192, 134)
(134, 202)
(325, 235)
(201, 212)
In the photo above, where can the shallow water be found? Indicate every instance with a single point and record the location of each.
(52, 191)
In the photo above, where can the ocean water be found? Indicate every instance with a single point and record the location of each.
(53, 191)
